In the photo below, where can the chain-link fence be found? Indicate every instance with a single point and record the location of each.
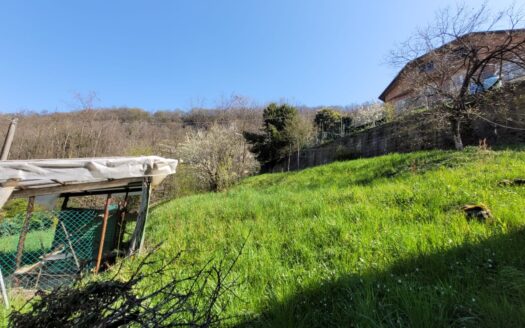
(46, 249)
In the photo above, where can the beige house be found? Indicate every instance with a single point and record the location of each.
(447, 62)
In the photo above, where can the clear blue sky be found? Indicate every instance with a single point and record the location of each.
(175, 54)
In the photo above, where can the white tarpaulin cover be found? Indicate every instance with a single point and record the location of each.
(86, 169)
(50, 172)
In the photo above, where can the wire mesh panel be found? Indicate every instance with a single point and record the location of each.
(48, 249)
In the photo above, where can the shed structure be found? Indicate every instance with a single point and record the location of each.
(45, 249)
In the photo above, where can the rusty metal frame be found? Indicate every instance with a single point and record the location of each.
(103, 233)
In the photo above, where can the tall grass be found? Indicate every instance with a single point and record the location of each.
(370, 242)
(378, 242)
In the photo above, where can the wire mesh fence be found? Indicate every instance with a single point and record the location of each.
(46, 249)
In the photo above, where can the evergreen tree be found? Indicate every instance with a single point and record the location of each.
(273, 142)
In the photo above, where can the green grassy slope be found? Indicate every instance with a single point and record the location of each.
(370, 242)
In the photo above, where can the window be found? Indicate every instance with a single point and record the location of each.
(460, 53)
(488, 83)
(427, 67)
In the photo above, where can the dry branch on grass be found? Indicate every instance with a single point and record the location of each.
(149, 295)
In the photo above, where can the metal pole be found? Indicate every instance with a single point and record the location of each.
(8, 140)
(4, 292)
(103, 233)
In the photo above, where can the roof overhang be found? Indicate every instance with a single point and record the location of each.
(82, 176)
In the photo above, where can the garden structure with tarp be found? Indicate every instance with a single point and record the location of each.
(73, 216)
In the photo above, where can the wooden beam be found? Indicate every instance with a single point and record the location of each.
(137, 240)
(102, 192)
(103, 233)
(123, 211)
(71, 188)
(146, 212)
(23, 233)
(65, 202)
(8, 140)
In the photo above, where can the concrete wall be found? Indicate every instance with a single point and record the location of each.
(417, 132)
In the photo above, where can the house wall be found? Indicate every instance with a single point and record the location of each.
(402, 90)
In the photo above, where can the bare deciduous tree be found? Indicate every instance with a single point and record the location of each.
(449, 63)
(219, 155)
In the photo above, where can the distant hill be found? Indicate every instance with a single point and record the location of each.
(370, 242)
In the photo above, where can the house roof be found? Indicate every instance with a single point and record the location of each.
(24, 178)
(411, 63)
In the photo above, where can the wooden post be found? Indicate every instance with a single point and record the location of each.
(137, 241)
(122, 218)
(65, 202)
(147, 195)
(103, 233)
(8, 140)
(23, 232)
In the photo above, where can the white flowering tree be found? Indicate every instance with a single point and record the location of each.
(219, 156)
(368, 114)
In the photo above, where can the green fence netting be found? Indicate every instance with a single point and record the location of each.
(58, 246)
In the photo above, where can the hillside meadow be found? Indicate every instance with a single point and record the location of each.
(380, 242)
(377, 242)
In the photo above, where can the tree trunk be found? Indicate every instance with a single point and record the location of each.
(298, 157)
(456, 134)
(289, 155)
